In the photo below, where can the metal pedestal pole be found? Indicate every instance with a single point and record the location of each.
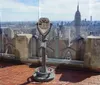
(43, 73)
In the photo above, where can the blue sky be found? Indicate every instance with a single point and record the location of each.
(29, 2)
(31, 10)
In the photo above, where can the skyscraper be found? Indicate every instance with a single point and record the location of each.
(77, 21)
(1, 42)
(0, 29)
(79, 40)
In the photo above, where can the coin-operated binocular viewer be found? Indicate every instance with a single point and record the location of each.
(44, 73)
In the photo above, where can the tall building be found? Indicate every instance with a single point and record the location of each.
(78, 40)
(91, 18)
(9, 33)
(0, 29)
(1, 41)
(77, 21)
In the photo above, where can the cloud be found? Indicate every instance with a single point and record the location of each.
(64, 9)
(13, 10)
(95, 9)
(16, 6)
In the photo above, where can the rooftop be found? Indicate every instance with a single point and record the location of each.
(21, 74)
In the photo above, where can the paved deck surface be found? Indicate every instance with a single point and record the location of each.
(14, 74)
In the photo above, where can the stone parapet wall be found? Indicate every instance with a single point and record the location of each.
(21, 46)
(92, 53)
(26, 48)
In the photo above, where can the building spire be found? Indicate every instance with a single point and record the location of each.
(78, 6)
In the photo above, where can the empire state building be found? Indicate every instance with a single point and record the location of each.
(77, 21)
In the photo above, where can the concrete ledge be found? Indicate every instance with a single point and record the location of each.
(7, 56)
(64, 61)
(51, 61)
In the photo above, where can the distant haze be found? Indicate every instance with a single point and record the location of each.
(31, 10)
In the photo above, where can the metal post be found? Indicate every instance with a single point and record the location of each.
(44, 73)
(44, 54)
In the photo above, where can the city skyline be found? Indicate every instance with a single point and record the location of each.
(24, 10)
